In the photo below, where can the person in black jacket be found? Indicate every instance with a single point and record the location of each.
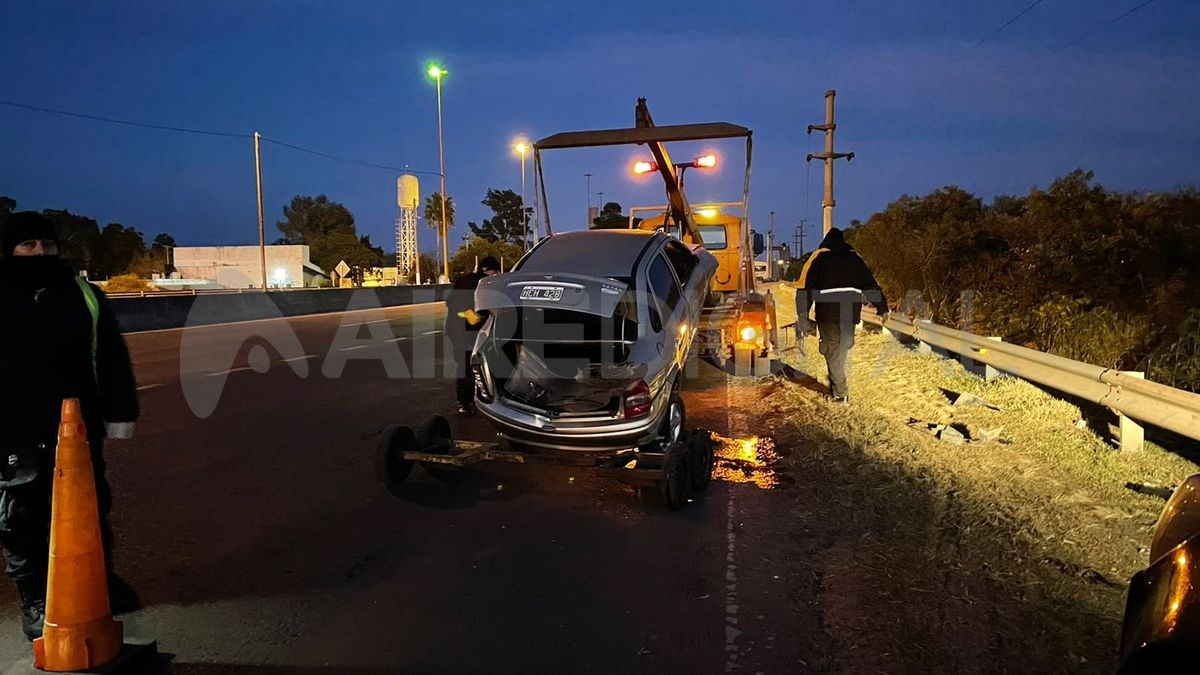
(58, 340)
(836, 280)
(462, 326)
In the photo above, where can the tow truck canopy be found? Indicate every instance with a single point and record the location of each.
(663, 134)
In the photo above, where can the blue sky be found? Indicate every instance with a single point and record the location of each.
(921, 101)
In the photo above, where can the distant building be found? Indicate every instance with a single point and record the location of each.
(379, 276)
(288, 266)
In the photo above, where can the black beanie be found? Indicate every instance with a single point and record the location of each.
(23, 226)
(489, 263)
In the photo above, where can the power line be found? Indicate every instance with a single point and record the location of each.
(130, 123)
(1103, 27)
(207, 132)
(1008, 23)
(349, 160)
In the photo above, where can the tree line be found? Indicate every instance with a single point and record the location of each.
(106, 252)
(1091, 274)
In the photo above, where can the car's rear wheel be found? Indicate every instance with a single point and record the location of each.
(674, 421)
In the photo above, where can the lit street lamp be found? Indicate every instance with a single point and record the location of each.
(522, 147)
(437, 73)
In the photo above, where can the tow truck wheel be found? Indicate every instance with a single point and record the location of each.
(434, 437)
(701, 443)
(677, 476)
(390, 463)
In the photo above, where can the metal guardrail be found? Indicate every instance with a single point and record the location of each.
(1125, 393)
(235, 291)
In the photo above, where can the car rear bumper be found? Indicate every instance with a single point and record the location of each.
(608, 434)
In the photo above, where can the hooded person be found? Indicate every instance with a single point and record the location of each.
(59, 339)
(462, 326)
(837, 280)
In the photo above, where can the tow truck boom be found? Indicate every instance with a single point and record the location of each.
(677, 204)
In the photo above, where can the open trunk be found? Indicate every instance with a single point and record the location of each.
(560, 344)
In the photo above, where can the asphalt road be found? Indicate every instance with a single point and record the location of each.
(261, 540)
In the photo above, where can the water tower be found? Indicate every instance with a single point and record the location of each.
(408, 196)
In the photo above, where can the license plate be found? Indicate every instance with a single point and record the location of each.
(546, 293)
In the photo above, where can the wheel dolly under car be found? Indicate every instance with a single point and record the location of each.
(680, 469)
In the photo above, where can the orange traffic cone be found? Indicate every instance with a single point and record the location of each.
(79, 633)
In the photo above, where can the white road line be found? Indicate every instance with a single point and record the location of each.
(732, 633)
(739, 425)
(402, 337)
(353, 347)
(287, 318)
(432, 332)
(148, 387)
(300, 358)
(230, 371)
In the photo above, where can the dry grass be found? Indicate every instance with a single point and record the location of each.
(1006, 555)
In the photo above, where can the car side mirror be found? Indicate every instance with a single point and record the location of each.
(759, 245)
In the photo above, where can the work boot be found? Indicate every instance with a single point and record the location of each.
(122, 598)
(33, 617)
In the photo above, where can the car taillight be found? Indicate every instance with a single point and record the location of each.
(481, 388)
(638, 401)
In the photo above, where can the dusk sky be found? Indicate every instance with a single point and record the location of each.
(929, 94)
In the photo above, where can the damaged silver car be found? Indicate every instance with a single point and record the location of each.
(586, 340)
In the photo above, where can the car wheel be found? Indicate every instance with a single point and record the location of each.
(677, 476)
(702, 448)
(434, 437)
(674, 421)
(391, 466)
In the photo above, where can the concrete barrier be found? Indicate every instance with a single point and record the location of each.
(173, 311)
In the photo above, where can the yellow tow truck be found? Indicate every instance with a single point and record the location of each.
(738, 329)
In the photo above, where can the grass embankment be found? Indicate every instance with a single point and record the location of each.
(1011, 554)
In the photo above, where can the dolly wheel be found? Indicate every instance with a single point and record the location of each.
(677, 476)
(391, 466)
(702, 450)
(434, 437)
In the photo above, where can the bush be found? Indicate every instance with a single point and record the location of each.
(128, 283)
(1178, 364)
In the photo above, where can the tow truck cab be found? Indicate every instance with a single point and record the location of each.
(722, 234)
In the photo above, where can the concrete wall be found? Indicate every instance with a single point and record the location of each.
(177, 311)
(240, 266)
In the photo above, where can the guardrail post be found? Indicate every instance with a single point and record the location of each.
(975, 367)
(1131, 435)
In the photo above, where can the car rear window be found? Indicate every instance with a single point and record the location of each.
(604, 256)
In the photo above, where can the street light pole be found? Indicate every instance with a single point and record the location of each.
(436, 72)
(522, 147)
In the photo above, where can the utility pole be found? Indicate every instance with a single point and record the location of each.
(828, 156)
(262, 235)
(798, 238)
(771, 249)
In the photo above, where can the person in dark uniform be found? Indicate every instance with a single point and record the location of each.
(58, 340)
(462, 326)
(837, 280)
